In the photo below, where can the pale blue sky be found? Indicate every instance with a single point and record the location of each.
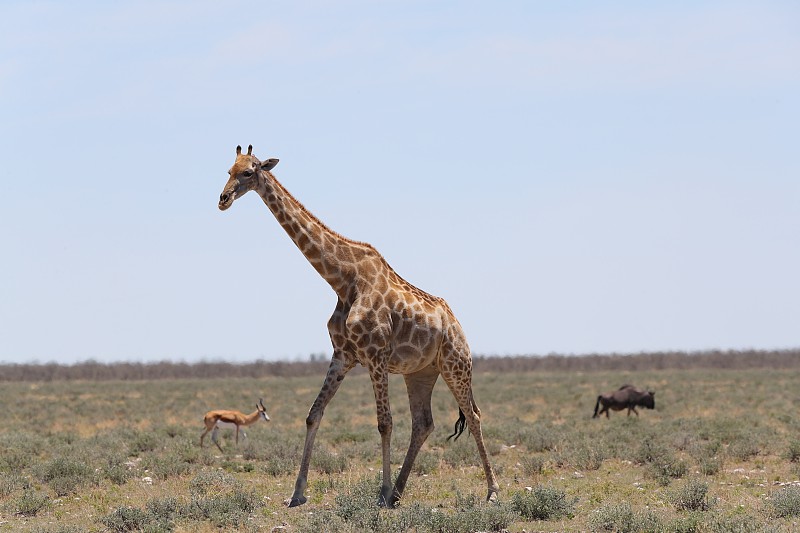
(572, 177)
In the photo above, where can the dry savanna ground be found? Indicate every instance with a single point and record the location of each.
(721, 452)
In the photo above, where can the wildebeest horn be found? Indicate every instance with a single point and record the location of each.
(239, 150)
(250, 150)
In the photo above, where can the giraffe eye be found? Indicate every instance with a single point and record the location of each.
(248, 173)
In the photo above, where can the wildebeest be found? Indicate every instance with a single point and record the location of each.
(626, 396)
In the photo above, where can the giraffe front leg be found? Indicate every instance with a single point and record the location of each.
(380, 385)
(336, 372)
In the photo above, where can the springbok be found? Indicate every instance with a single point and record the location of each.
(231, 419)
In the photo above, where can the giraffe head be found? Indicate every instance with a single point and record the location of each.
(243, 176)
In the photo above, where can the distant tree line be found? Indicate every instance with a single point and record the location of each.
(128, 371)
(729, 359)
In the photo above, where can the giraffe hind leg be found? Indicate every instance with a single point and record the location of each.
(420, 387)
(460, 384)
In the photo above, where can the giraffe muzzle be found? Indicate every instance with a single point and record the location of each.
(225, 200)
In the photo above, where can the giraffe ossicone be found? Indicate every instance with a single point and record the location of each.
(381, 321)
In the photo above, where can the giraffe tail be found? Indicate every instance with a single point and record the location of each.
(461, 423)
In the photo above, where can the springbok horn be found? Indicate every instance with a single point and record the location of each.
(250, 150)
(261, 401)
(238, 150)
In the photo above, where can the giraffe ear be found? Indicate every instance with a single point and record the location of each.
(269, 164)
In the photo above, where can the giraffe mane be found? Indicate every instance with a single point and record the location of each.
(321, 223)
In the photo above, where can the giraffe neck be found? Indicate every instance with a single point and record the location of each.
(331, 255)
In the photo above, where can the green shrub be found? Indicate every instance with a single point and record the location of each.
(64, 528)
(426, 463)
(158, 516)
(116, 471)
(163, 512)
(30, 503)
(229, 510)
(126, 518)
(65, 475)
(541, 438)
(691, 522)
(785, 502)
(493, 447)
(702, 450)
(461, 453)
(279, 457)
(172, 430)
(11, 482)
(358, 506)
(651, 451)
(745, 447)
(666, 470)
(324, 521)
(212, 482)
(661, 463)
(483, 517)
(188, 451)
(327, 462)
(588, 457)
(708, 457)
(793, 451)
(692, 496)
(542, 503)
(710, 466)
(723, 429)
(143, 441)
(218, 497)
(281, 466)
(621, 518)
(20, 450)
(532, 465)
(736, 523)
(356, 510)
(167, 466)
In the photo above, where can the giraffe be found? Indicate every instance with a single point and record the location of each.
(381, 322)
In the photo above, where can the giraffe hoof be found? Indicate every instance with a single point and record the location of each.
(391, 503)
(387, 502)
(297, 501)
